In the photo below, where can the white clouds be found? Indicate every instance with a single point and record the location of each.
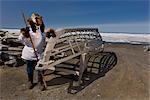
(140, 27)
(135, 27)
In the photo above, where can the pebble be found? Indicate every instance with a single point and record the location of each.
(98, 95)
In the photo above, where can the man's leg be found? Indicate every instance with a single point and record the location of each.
(30, 72)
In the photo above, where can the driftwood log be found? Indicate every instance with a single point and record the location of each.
(10, 49)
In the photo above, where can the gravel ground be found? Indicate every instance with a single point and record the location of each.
(127, 80)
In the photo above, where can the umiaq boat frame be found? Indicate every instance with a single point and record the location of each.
(69, 44)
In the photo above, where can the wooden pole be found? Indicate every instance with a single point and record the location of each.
(30, 38)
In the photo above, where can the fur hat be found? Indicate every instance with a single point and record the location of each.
(34, 16)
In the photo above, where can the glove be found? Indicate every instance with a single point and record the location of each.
(50, 33)
(27, 29)
(25, 32)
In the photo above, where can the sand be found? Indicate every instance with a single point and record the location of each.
(127, 80)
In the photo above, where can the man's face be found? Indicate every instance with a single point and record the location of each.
(39, 20)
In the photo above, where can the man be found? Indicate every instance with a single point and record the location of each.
(33, 37)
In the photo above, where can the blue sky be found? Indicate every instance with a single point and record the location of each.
(107, 15)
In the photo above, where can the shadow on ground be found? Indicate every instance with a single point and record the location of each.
(98, 65)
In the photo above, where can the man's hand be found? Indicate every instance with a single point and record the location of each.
(25, 32)
(50, 33)
(27, 29)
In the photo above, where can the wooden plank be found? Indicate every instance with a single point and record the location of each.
(65, 49)
(48, 64)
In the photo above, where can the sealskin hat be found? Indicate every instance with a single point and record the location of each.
(34, 16)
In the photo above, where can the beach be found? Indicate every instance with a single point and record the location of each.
(80, 50)
(127, 80)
